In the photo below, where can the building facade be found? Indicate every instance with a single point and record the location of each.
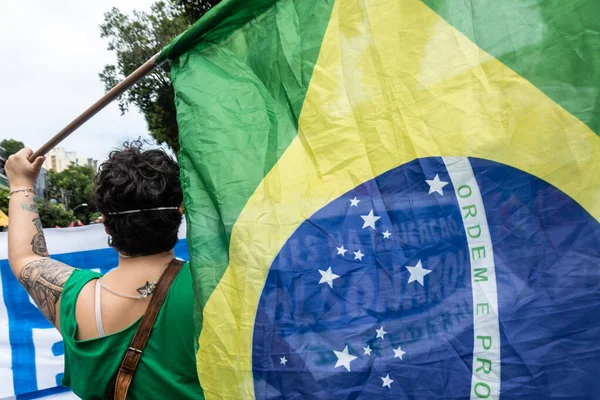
(90, 162)
(40, 184)
(58, 160)
(3, 178)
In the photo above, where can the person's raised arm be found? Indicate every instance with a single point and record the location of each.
(42, 277)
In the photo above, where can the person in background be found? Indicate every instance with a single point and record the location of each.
(139, 195)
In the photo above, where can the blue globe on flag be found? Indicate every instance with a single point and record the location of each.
(435, 280)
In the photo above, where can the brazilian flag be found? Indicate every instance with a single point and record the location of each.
(393, 198)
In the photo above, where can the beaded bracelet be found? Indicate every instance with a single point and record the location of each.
(26, 190)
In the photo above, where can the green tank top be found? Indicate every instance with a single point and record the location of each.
(167, 369)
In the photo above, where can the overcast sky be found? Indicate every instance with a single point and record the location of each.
(51, 53)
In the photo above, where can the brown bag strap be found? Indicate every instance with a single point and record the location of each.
(120, 385)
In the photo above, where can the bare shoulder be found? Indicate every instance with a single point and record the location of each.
(44, 280)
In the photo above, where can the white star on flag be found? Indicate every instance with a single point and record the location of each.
(387, 381)
(344, 358)
(354, 202)
(328, 277)
(358, 255)
(367, 350)
(282, 360)
(370, 220)
(417, 273)
(436, 185)
(398, 353)
(387, 234)
(341, 250)
(380, 333)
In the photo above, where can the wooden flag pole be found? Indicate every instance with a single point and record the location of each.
(115, 92)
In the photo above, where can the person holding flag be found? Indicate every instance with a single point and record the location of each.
(103, 318)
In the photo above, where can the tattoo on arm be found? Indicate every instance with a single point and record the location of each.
(44, 281)
(31, 207)
(38, 243)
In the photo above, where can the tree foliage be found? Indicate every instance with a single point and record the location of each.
(194, 9)
(136, 38)
(11, 146)
(53, 215)
(72, 187)
(4, 193)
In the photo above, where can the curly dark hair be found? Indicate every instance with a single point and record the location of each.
(133, 179)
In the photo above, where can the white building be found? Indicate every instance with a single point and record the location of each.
(58, 160)
(90, 162)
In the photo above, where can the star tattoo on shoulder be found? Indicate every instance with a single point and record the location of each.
(147, 289)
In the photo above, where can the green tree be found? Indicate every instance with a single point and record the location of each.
(95, 216)
(53, 215)
(194, 9)
(4, 193)
(11, 146)
(72, 187)
(136, 38)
